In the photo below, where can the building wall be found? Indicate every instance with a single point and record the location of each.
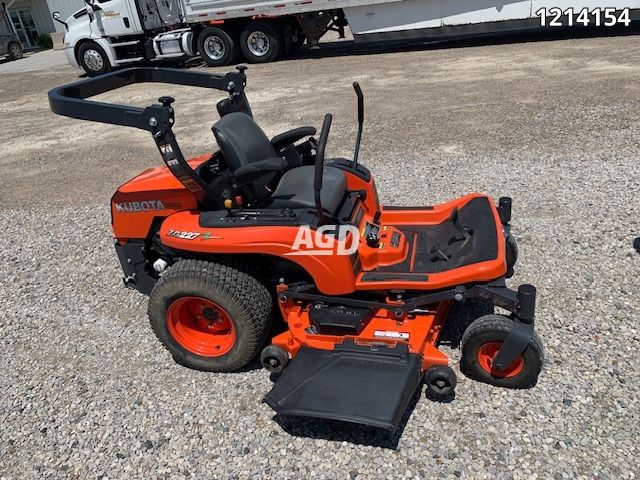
(66, 9)
(39, 12)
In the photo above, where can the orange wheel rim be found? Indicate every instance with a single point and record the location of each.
(201, 326)
(487, 354)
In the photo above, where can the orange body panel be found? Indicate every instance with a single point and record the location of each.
(423, 331)
(154, 193)
(333, 273)
(477, 272)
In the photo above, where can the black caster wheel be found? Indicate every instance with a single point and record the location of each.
(274, 359)
(441, 383)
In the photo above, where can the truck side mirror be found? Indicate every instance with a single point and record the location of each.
(58, 18)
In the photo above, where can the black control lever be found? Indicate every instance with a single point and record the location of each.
(463, 229)
(359, 94)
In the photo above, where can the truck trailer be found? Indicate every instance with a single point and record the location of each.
(110, 33)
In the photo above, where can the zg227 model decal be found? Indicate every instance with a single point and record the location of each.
(183, 235)
(191, 235)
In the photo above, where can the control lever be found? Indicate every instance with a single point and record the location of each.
(462, 229)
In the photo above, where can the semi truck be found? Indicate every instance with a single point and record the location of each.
(110, 33)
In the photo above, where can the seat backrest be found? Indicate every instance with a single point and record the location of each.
(241, 140)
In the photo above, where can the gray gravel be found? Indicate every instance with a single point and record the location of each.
(86, 391)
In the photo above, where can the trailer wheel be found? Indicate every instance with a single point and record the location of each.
(480, 345)
(15, 51)
(93, 59)
(209, 316)
(217, 46)
(261, 42)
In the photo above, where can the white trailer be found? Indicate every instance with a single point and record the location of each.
(109, 33)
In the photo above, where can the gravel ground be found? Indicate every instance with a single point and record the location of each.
(88, 392)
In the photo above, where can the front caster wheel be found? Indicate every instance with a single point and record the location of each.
(440, 382)
(211, 317)
(480, 345)
(274, 359)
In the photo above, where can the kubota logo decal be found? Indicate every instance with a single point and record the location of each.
(326, 240)
(143, 206)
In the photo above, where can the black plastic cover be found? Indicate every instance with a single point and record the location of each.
(370, 385)
(339, 319)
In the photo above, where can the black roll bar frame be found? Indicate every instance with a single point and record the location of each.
(71, 101)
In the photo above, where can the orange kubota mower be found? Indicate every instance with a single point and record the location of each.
(268, 230)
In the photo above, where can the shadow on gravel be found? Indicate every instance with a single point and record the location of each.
(336, 431)
(636, 244)
(460, 317)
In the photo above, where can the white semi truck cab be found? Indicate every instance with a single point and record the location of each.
(110, 33)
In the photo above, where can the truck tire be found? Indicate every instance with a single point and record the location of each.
(15, 51)
(261, 42)
(93, 59)
(217, 46)
(211, 317)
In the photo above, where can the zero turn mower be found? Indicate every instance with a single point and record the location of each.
(364, 289)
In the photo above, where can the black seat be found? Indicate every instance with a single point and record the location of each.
(295, 189)
(243, 143)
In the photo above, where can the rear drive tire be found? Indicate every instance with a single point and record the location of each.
(217, 46)
(482, 341)
(261, 42)
(93, 59)
(209, 316)
(15, 51)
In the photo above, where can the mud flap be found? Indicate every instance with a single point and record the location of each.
(371, 385)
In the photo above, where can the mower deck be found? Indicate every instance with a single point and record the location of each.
(370, 385)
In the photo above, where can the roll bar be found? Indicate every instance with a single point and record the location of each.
(71, 101)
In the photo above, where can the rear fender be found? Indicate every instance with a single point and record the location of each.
(333, 274)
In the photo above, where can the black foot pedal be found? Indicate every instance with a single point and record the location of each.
(371, 385)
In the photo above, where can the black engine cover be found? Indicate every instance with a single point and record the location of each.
(338, 319)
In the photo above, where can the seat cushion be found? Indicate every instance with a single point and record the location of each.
(295, 189)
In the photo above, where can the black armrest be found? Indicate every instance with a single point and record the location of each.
(292, 136)
(249, 173)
